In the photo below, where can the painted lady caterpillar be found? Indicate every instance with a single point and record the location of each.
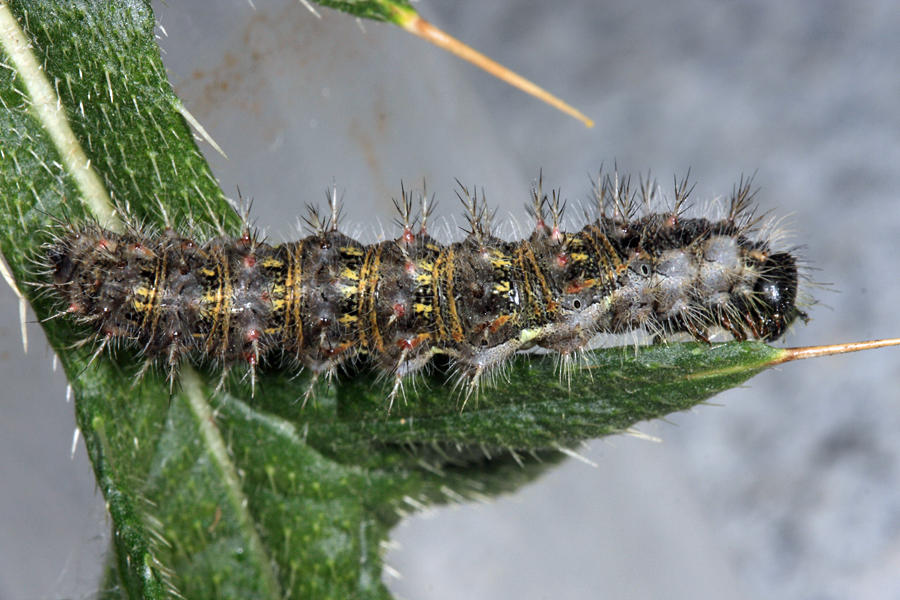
(328, 298)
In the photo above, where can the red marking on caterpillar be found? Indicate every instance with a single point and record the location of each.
(327, 299)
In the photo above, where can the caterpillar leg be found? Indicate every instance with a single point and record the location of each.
(226, 369)
(100, 348)
(328, 372)
(483, 362)
(734, 328)
(172, 362)
(398, 380)
(405, 368)
(252, 358)
(570, 362)
(139, 376)
(697, 333)
(472, 386)
(311, 388)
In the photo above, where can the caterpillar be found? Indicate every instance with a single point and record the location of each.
(327, 299)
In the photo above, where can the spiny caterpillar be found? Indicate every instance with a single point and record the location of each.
(327, 299)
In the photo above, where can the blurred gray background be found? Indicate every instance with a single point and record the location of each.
(788, 488)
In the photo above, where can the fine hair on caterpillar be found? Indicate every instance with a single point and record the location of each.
(327, 299)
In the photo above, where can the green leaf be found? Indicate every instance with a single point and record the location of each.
(392, 11)
(216, 494)
(537, 408)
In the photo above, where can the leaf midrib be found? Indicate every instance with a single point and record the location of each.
(49, 111)
(196, 397)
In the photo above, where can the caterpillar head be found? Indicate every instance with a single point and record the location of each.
(775, 297)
